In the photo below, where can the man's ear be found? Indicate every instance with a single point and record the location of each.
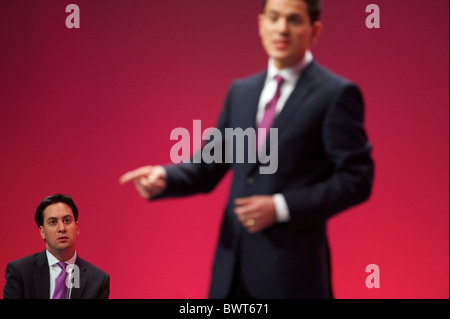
(41, 231)
(260, 22)
(317, 31)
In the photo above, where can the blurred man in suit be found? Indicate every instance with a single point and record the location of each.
(273, 241)
(57, 272)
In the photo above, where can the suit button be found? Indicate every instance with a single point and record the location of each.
(250, 181)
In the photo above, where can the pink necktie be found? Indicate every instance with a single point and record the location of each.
(269, 114)
(60, 286)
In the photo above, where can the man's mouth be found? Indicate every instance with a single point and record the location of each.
(281, 44)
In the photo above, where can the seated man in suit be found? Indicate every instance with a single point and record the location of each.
(57, 272)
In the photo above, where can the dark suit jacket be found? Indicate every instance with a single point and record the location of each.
(29, 278)
(324, 167)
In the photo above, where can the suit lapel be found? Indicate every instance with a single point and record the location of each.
(294, 103)
(296, 100)
(251, 100)
(41, 276)
(76, 293)
(245, 114)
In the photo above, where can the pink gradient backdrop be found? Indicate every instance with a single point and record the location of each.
(81, 107)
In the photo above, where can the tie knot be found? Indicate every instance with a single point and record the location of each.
(62, 265)
(279, 79)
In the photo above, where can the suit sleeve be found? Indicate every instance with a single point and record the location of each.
(104, 292)
(347, 147)
(197, 176)
(14, 286)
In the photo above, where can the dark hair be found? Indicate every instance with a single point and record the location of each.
(54, 199)
(314, 8)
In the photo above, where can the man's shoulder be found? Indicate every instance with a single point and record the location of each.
(251, 80)
(28, 260)
(91, 268)
(325, 76)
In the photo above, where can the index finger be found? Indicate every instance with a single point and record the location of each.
(242, 201)
(132, 175)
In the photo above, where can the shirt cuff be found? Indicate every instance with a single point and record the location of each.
(281, 208)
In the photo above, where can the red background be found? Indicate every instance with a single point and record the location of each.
(79, 107)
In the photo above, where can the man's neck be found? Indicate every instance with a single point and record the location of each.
(293, 69)
(62, 255)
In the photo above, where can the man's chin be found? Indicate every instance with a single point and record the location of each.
(283, 61)
(62, 245)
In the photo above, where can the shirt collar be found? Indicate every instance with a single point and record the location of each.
(52, 260)
(292, 73)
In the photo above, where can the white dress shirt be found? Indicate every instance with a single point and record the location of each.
(55, 270)
(291, 76)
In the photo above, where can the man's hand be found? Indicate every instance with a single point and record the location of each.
(149, 180)
(255, 213)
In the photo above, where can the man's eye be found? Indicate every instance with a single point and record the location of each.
(273, 18)
(295, 20)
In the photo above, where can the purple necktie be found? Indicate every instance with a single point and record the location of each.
(269, 114)
(60, 286)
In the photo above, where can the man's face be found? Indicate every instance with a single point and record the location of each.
(286, 31)
(60, 230)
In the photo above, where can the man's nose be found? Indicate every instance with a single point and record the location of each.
(61, 227)
(282, 25)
